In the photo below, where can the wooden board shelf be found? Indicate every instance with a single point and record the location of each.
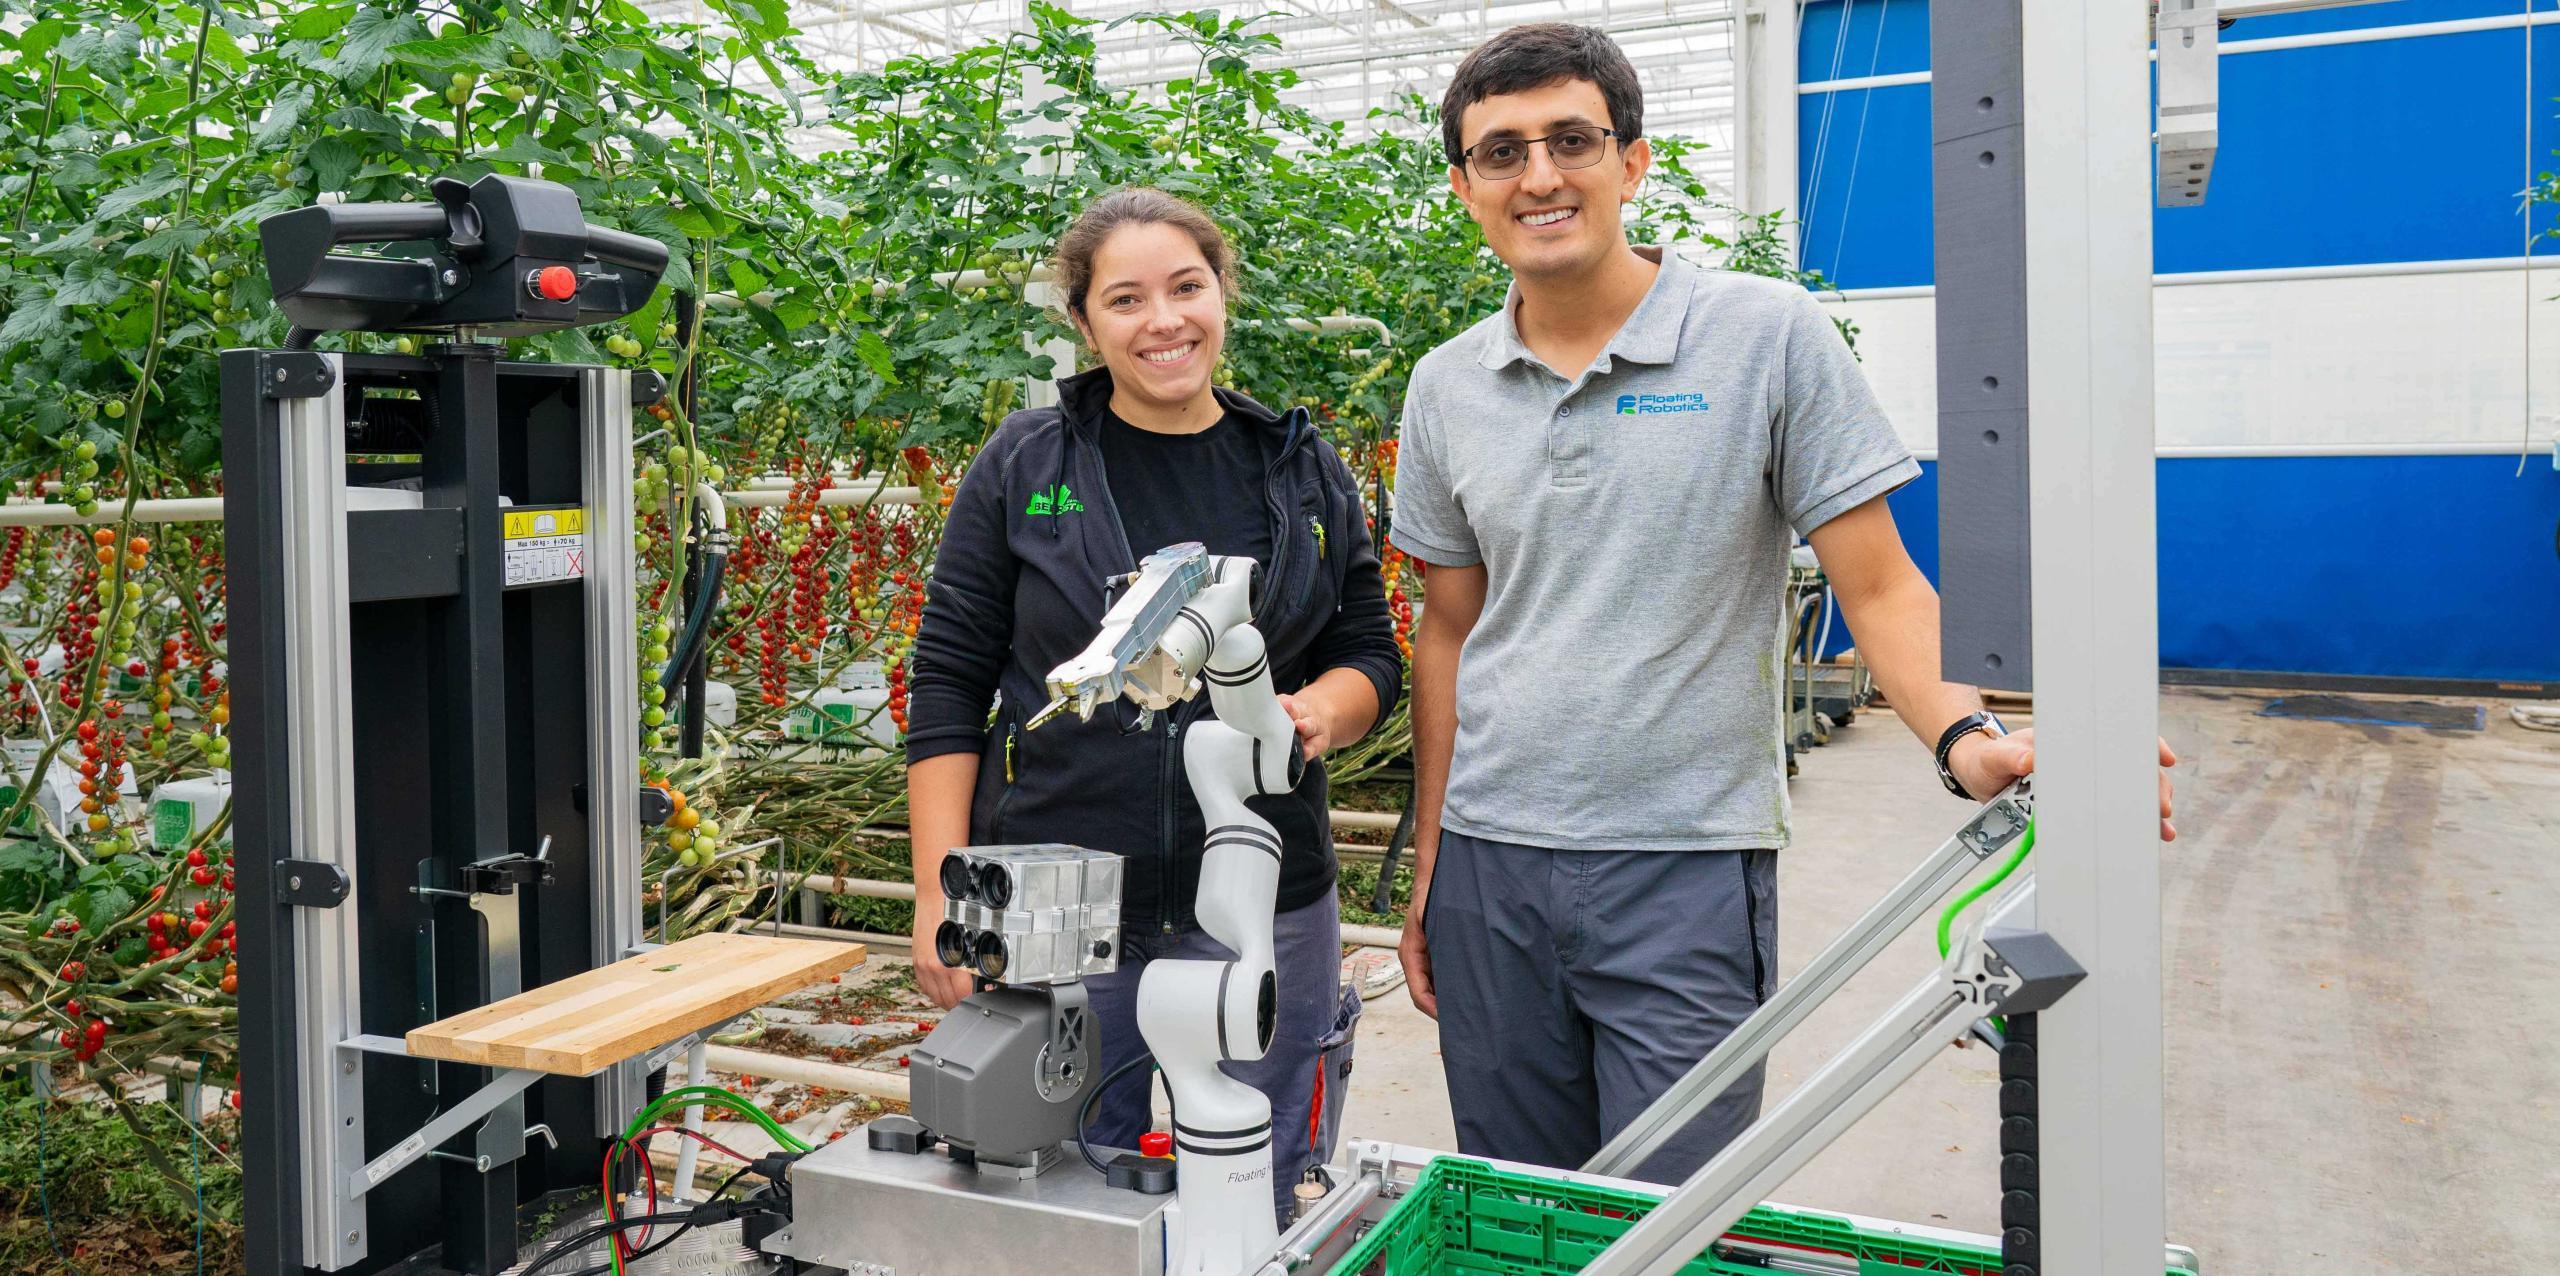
(586, 1023)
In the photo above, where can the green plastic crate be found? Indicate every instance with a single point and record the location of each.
(1466, 1218)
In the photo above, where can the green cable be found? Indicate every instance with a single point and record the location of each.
(1947, 919)
(688, 1096)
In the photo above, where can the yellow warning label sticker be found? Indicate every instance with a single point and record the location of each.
(527, 523)
(545, 545)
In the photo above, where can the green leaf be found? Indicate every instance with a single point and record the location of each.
(100, 906)
(89, 282)
(333, 160)
(365, 119)
(538, 43)
(316, 23)
(133, 195)
(371, 34)
(874, 353)
(167, 239)
(482, 52)
(33, 324)
(282, 115)
(525, 150)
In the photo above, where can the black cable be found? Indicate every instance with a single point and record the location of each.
(563, 1248)
(1084, 1113)
(672, 1236)
(715, 565)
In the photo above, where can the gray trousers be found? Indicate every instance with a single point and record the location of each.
(1576, 986)
(1307, 957)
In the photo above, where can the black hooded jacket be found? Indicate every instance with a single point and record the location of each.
(1017, 588)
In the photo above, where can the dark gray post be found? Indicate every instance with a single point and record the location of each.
(1976, 127)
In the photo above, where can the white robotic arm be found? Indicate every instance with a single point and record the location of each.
(1186, 619)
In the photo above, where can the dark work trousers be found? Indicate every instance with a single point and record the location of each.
(1307, 958)
(1576, 986)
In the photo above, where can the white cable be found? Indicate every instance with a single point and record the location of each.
(1822, 131)
(2524, 450)
(1866, 101)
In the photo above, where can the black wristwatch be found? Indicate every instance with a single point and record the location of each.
(1959, 729)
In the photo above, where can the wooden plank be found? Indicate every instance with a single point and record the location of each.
(586, 1023)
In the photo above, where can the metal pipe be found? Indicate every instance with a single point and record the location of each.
(1327, 325)
(826, 883)
(184, 509)
(1311, 1232)
(808, 1072)
(770, 498)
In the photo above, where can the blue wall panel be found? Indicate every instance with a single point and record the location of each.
(2388, 151)
(2396, 150)
(1842, 38)
(2357, 17)
(1866, 221)
(2398, 567)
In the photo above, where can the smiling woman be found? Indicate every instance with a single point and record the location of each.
(1144, 451)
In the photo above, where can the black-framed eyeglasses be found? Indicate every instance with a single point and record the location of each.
(1578, 147)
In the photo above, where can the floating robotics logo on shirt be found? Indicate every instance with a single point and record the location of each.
(1652, 404)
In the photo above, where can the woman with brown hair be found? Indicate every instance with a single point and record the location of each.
(1143, 451)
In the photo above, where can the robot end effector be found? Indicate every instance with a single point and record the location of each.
(1155, 638)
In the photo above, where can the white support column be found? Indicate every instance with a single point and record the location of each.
(2096, 628)
(1037, 92)
(1765, 110)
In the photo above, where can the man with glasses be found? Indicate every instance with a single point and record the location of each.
(1605, 479)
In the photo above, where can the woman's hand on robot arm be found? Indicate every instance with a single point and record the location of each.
(1315, 729)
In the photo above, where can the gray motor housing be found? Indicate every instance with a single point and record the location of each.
(1003, 1075)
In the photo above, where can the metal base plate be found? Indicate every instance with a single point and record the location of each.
(899, 1214)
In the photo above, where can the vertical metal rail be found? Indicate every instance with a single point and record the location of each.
(613, 702)
(285, 508)
(2087, 98)
(470, 779)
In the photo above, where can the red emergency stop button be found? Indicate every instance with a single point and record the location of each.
(554, 283)
(1155, 1143)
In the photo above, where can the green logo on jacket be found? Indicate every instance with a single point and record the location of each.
(1062, 502)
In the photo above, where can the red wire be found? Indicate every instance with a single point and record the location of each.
(637, 1145)
(703, 1139)
(626, 1248)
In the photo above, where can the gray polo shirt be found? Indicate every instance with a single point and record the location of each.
(1622, 689)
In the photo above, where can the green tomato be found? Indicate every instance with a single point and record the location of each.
(464, 79)
(84, 493)
(160, 720)
(85, 508)
(640, 542)
(87, 469)
(661, 629)
(132, 592)
(690, 859)
(656, 653)
(280, 170)
(519, 59)
(222, 279)
(406, 345)
(221, 315)
(679, 840)
(87, 449)
(654, 694)
(706, 831)
(513, 93)
(457, 95)
(715, 473)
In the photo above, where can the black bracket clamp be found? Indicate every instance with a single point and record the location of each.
(310, 884)
(293, 374)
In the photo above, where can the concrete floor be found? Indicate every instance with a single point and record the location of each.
(2362, 992)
